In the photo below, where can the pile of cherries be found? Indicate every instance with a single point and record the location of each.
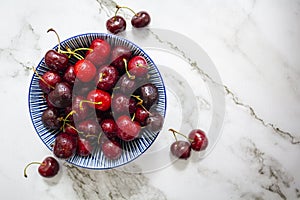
(117, 23)
(98, 97)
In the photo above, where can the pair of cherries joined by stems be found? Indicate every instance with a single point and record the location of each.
(196, 140)
(117, 23)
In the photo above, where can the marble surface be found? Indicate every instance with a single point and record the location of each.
(254, 46)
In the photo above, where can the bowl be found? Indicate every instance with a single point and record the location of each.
(96, 160)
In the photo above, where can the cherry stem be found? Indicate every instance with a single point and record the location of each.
(143, 66)
(52, 30)
(126, 68)
(76, 55)
(174, 131)
(133, 116)
(87, 101)
(65, 119)
(101, 75)
(119, 7)
(25, 169)
(40, 77)
(99, 137)
(83, 49)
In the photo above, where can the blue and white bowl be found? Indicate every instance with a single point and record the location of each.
(132, 149)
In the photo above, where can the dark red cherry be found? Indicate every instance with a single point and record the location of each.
(84, 147)
(116, 24)
(127, 85)
(70, 129)
(61, 96)
(48, 81)
(141, 115)
(181, 149)
(100, 52)
(137, 66)
(109, 127)
(106, 77)
(155, 121)
(50, 118)
(140, 19)
(120, 103)
(127, 129)
(81, 110)
(99, 99)
(118, 54)
(65, 145)
(198, 139)
(149, 94)
(84, 70)
(89, 129)
(56, 61)
(48, 168)
(69, 75)
(111, 149)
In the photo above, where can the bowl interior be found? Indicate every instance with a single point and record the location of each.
(131, 149)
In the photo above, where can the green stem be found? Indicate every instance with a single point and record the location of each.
(119, 7)
(25, 169)
(52, 30)
(126, 68)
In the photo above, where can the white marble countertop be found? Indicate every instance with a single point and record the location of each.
(255, 47)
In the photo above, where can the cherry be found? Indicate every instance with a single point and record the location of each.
(82, 89)
(61, 96)
(118, 54)
(70, 129)
(69, 75)
(48, 168)
(120, 103)
(84, 70)
(84, 147)
(137, 66)
(132, 105)
(98, 99)
(106, 77)
(181, 149)
(116, 24)
(99, 53)
(140, 19)
(198, 139)
(141, 115)
(109, 127)
(155, 121)
(111, 149)
(89, 129)
(127, 129)
(65, 145)
(127, 85)
(50, 118)
(149, 94)
(48, 81)
(81, 110)
(56, 60)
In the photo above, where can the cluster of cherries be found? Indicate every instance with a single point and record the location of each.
(99, 99)
(196, 140)
(117, 23)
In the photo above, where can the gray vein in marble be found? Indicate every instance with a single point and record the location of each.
(277, 180)
(12, 51)
(251, 110)
(109, 7)
(111, 184)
